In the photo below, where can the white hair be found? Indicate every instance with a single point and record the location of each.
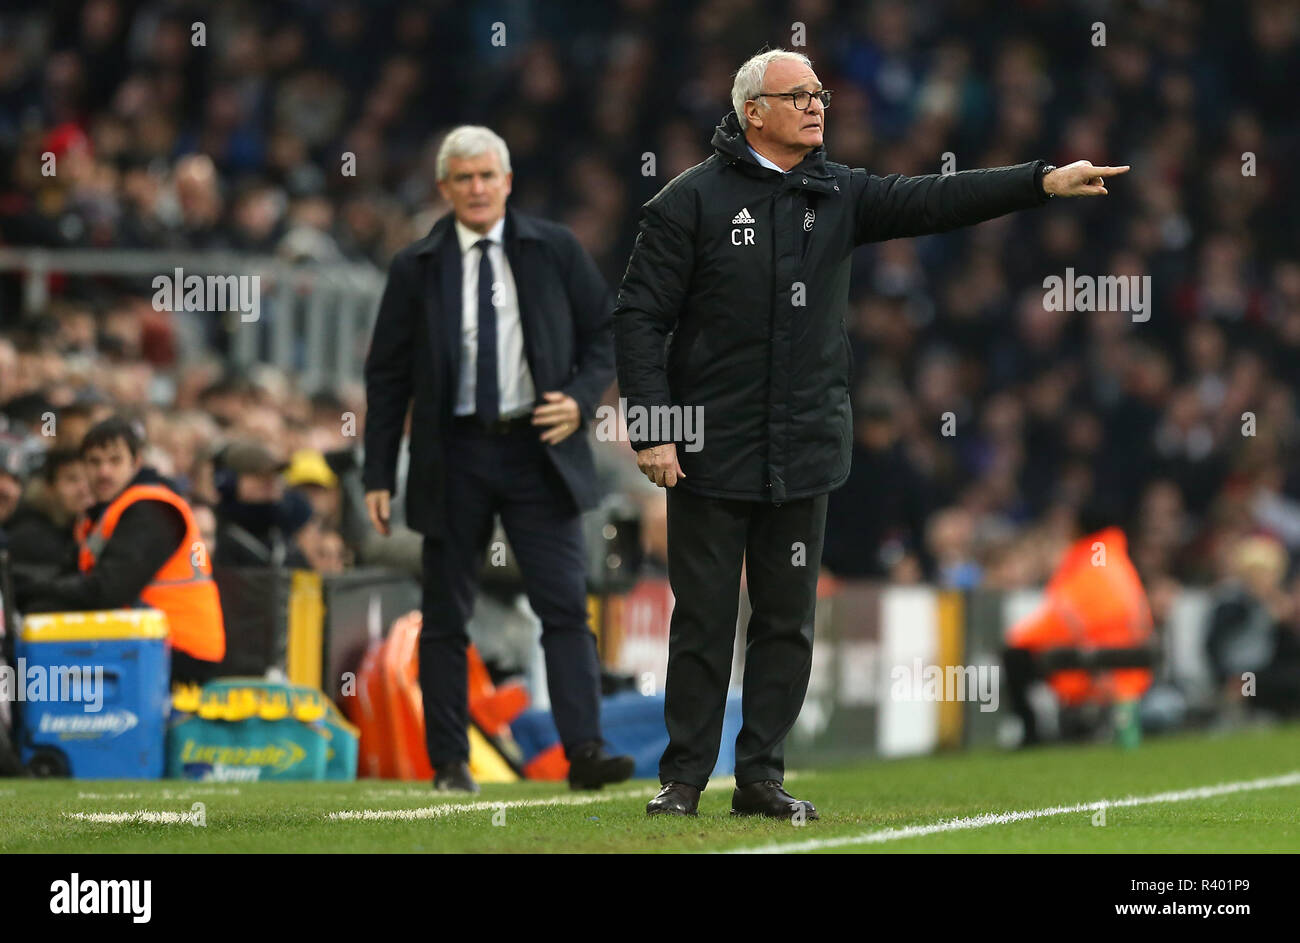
(471, 140)
(750, 77)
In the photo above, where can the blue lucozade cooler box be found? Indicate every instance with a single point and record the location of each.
(632, 723)
(95, 691)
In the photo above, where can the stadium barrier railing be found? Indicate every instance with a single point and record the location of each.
(313, 319)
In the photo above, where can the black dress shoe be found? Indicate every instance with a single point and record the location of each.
(590, 767)
(770, 799)
(454, 777)
(675, 799)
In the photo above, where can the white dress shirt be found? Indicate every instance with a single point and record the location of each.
(514, 382)
(763, 161)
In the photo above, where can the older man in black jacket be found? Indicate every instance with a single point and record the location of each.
(495, 330)
(742, 270)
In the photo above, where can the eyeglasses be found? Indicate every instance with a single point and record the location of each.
(801, 99)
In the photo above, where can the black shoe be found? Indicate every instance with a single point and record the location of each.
(590, 767)
(675, 799)
(454, 777)
(769, 798)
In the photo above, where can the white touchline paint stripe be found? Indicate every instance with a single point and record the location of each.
(449, 808)
(397, 793)
(426, 812)
(164, 794)
(452, 808)
(486, 805)
(1005, 818)
(151, 818)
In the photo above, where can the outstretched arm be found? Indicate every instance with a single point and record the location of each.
(894, 206)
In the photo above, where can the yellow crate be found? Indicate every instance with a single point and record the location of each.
(94, 626)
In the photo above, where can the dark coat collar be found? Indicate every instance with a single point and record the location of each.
(518, 226)
(730, 144)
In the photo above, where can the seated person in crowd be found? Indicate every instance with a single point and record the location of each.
(11, 479)
(42, 538)
(257, 519)
(1253, 638)
(140, 545)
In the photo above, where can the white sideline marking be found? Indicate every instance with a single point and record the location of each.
(486, 805)
(411, 793)
(440, 810)
(1005, 818)
(428, 812)
(164, 794)
(144, 815)
(452, 808)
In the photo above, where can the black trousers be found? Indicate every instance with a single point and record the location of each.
(781, 547)
(509, 475)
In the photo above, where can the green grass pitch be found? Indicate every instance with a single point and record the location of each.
(867, 799)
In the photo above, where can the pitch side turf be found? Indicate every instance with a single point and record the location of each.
(1192, 793)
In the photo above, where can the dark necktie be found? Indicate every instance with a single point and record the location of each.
(487, 397)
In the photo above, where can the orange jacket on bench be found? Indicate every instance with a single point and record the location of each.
(1094, 600)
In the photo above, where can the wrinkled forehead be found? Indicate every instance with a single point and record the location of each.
(786, 75)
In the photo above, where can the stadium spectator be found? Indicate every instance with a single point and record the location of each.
(12, 475)
(400, 549)
(1253, 639)
(139, 543)
(310, 473)
(322, 547)
(865, 538)
(42, 538)
(73, 421)
(258, 520)
(951, 539)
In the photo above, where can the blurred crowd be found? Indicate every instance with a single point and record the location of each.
(270, 477)
(985, 420)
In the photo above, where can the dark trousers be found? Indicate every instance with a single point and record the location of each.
(509, 475)
(1020, 674)
(781, 547)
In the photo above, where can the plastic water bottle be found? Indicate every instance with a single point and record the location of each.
(1128, 724)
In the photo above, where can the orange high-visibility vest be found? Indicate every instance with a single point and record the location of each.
(1094, 600)
(183, 588)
